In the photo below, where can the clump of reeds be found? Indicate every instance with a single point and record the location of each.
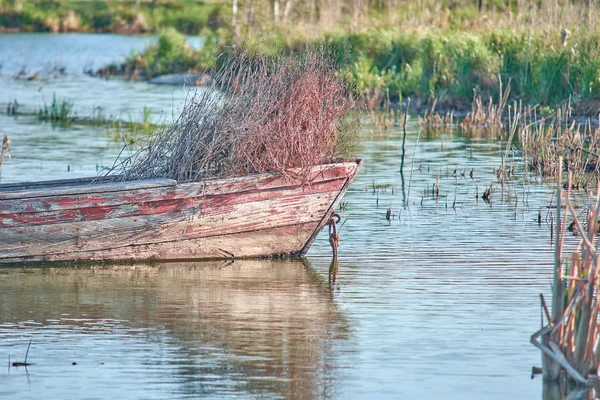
(387, 119)
(57, 112)
(486, 116)
(432, 119)
(569, 341)
(258, 114)
(544, 139)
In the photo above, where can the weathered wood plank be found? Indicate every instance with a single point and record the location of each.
(156, 206)
(280, 240)
(114, 233)
(210, 187)
(8, 187)
(116, 187)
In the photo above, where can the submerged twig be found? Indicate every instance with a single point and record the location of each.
(24, 363)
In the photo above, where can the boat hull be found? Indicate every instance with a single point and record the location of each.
(254, 216)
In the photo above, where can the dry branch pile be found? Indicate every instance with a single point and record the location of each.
(258, 114)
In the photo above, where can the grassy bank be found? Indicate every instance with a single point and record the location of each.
(454, 66)
(548, 53)
(187, 16)
(391, 64)
(170, 54)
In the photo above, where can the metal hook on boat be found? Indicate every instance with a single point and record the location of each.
(334, 238)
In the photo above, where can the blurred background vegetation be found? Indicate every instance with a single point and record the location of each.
(547, 52)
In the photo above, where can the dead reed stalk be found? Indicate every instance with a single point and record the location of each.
(259, 114)
(569, 341)
(5, 152)
(386, 120)
(404, 136)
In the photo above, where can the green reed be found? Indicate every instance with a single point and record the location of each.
(59, 112)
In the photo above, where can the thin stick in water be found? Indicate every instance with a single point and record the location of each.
(404, 136)
(412, 165)
(27, 353)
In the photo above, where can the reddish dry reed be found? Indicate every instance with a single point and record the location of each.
(258, 114)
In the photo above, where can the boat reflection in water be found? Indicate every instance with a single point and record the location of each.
(259, 328)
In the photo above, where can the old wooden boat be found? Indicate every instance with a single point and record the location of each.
(251, 216)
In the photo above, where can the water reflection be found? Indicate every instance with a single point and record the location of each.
(334, 270)
(263, 328)
(565, 391)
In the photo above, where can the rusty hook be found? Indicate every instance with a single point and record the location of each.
(333, 220)
(334, 238)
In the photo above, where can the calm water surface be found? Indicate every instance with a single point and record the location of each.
(47, 152)
(439, 302)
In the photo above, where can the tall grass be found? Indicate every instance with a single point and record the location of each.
(450, 50)
(457, 64)
(311, 18)
(454, 67)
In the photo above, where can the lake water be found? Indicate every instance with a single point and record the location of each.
(438, 302)
(77, 151)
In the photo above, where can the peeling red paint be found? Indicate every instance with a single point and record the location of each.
(217, 204)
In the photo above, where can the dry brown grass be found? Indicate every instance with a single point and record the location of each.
(569, 341)
(385, 121)
(488, 115)
(547, 17)
(431, 119)
(544, 140)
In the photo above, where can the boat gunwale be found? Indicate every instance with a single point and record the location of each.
(37, 189)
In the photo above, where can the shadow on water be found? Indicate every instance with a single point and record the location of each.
(262, 327)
